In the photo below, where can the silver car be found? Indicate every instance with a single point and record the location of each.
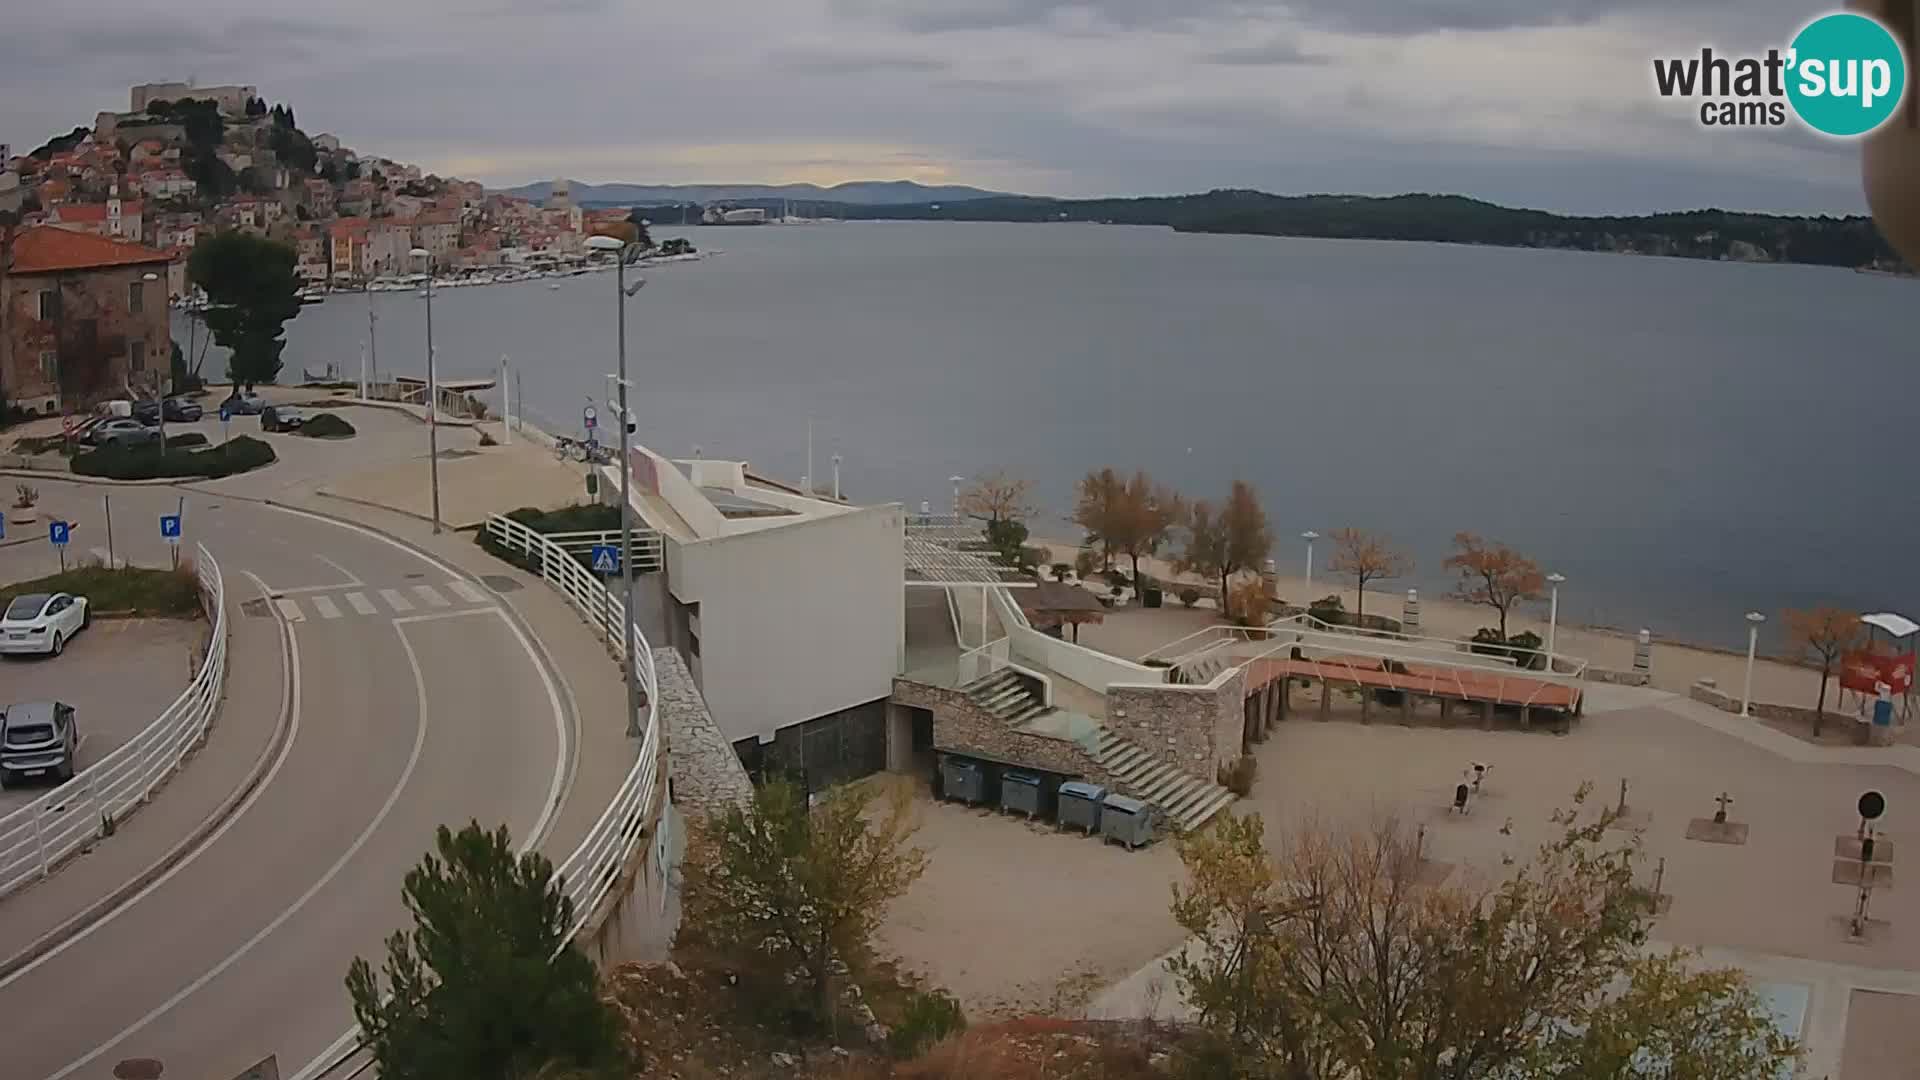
(38, 739)
(122, 431)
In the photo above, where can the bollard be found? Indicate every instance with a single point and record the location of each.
(1643, 652)
(1410, 611)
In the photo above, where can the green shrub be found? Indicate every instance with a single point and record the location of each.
(326, 425)
(1060, 570)
(929, 1017)
(242, 454)
(1084, 562)
(181, 442)
(1522, 647)
(136, 589)
(1330, 610)
(1189, 596)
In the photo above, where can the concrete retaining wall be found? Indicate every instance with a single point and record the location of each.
(1194, 727)
(959, 724)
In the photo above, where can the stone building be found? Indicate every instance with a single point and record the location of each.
(79, 314)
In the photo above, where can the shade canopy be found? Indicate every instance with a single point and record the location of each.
(1898, 625)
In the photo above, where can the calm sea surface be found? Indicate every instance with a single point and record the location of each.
(1684, 440)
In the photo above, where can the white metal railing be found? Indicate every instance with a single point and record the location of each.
(73, 815)
(982, 661)
(648, 549)
(593, 868)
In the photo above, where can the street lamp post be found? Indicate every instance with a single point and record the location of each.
(1309, 536)
(621, 294)
(433, 393)
(160, 397)
(1553, 615)
(1754, 619)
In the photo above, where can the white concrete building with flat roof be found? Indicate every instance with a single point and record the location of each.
(789, 608)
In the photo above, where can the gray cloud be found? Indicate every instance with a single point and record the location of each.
(838, 61)
(1279, 52)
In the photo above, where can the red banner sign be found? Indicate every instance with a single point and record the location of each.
(1865, 672)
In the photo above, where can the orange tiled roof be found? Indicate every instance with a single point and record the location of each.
(48, 249)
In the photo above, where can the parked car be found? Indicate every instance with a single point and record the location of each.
(122, 432)
(281, 418)
(147, 412)
(43, 622)
(182, 410)
(38, 738)
(245, 404)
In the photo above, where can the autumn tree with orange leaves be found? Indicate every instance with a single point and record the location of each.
(1494, 575)
(1365, 557)
(1828, 633)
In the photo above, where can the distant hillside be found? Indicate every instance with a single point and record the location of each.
(864, 192)
(1697, 234)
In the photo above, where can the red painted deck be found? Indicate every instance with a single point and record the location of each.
(1461, 684)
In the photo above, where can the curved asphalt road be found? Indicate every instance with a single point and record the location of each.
(413, 705)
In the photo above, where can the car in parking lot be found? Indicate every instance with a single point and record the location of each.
(43, 622)
(182, 410)
(245, 404)
(281, 418)
(122, 431)
(38, 738)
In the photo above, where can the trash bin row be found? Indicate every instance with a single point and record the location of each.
(1076, 803)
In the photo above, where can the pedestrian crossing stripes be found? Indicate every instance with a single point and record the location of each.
(391, 602)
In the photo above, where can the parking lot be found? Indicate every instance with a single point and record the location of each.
(118, 675)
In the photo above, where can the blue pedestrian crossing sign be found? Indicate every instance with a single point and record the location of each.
(170, 528)
(226, 412)
(57, 532)
(3, 526)
(606, 559)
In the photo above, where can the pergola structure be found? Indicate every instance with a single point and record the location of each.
(1056, 604)
(935, 560)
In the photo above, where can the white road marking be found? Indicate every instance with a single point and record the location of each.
(360, 604)
(393, 798)
(395, 600)
(466, 591)
(344, 572)
(290, 710)
(325, 606)
(431, 595)
(289, 609)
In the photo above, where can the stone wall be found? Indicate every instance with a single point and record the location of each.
(1618, 678)
(1193, 727)
(707, 775)
(959, 724)
(1706, 692)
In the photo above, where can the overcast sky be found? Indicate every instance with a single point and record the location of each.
(1544, 103)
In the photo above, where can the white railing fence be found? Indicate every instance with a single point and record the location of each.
(37, 836)
(593, 868)
(648, 549)
(984, 660)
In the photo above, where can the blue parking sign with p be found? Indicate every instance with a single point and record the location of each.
(170, 527)
(57, 532)
(606, 559)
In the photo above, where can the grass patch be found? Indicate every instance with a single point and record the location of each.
(241, 454)
(580, 517)
(169, 593)
(326, 425)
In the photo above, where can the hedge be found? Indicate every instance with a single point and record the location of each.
(325, 425)
(241, 454)
(134, 589)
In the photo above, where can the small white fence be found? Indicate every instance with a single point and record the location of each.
(593, 868)
(648, 552)
(37, 836)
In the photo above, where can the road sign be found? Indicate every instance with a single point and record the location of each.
(3, 526)
(67, 424)
(606, 559)
(58, 532)
(226, 412)
(170, 528)
(589, 418)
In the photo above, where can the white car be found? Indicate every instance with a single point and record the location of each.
(42, 623)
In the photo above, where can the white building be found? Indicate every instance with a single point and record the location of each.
(790, 609)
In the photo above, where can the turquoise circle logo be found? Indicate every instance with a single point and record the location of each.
(1848, 74)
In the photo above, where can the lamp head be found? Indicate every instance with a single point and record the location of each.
(1756, 618)
(1309, 536)
(1557, 579)
(605, 243)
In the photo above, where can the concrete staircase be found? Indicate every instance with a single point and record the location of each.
(1006, 696)
(1188, 801)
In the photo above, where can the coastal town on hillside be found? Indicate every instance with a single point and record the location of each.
(183, 162)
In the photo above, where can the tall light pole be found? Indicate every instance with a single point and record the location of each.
(433, 392)
(1553, 615)
(620, 295)
(1309, 536)
(160, 397)
(1754, 619)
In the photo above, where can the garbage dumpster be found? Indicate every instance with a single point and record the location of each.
(1020, 791)
(1080, 805)
(963, 780)
(1129, 821)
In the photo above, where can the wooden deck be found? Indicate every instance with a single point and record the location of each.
(1459, 684)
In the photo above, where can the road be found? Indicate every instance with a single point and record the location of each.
(414, 701)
